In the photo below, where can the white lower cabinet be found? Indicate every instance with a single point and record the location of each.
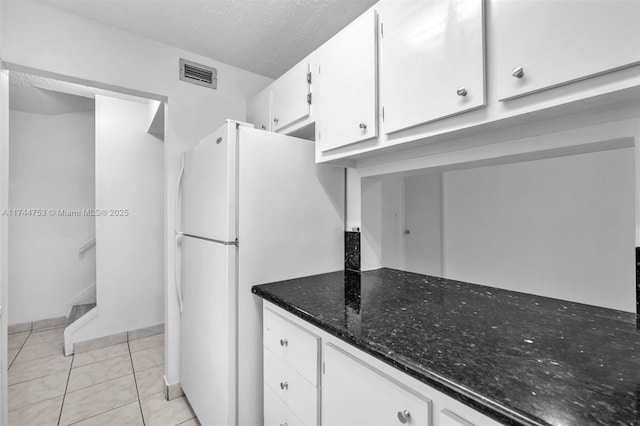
(313, 378)
(355, 394)
(276, 412)
(447, 418)
(291, 370)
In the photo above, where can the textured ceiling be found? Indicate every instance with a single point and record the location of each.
(41, 95)
(264, 36)
(38, 95)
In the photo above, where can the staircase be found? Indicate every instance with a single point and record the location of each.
(77, 311)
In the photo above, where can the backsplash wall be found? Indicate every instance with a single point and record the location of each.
(352, 251)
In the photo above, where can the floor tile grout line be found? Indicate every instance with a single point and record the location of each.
(99, 383)
(103, 412)
(64, 396)
(135, 380)
(103, 359)
(19, 350)
(33, 359)
(98, 361)
(149, 368)
(149, 347)
(34, 403)
(36, 378)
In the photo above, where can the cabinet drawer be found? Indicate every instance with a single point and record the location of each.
(353, 393)
(447, 418)
(296, 391)
(276, 412)
(295, 346)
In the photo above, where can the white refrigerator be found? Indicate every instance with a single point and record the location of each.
(252, 207)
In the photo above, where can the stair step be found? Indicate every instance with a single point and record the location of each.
(77, 311)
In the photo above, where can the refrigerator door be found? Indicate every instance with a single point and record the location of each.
(207, 330)
(209, 187)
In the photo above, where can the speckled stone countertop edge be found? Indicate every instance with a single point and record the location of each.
(460, 393)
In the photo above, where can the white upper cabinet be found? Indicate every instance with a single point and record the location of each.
(542, 44)
(291, 97)
(432, 60)
(347, 85)
(259, 110)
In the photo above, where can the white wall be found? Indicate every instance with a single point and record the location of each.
(51, 167)
(129, 248)
(41, 37)
(562, 227)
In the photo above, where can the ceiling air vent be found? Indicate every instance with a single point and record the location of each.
(198, 74)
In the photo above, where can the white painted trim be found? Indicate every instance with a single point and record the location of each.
(74, 327)
(4, 239)
(599, 137)
(96, 84)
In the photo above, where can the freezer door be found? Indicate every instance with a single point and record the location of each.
(207, 329)
(209, 187)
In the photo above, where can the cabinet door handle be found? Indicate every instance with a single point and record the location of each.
(462, 91)
(284, 342)
(275, 120)
(284, 424)
(363, 126)
(284, 385)
(404, 416)
(518, 72)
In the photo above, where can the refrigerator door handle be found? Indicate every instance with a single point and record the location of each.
(176, 269)
(176, 202)
(178, 235)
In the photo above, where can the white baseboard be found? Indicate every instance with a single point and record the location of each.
(172, 391)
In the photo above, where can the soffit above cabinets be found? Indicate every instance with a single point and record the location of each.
(263, 36)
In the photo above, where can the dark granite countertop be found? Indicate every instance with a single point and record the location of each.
(518, 358)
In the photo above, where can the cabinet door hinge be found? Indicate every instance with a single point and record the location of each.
(382, 113)
(309, 98)
(323, 369)
(309, 77)
(382, 29)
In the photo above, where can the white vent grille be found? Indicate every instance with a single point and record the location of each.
(198, 74)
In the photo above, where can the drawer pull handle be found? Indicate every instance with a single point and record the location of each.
(518, 72)
(404, 416)
(284, 342)
(284, 385)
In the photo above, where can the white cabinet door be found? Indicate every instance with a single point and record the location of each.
(557, 42)
(347, 86)
(354, 394)
(259, 110)
(290, 97)
(432, 60)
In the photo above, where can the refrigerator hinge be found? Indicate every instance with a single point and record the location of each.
(309, 77)
(309, 98)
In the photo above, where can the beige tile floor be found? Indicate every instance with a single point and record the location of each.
(117, 385)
